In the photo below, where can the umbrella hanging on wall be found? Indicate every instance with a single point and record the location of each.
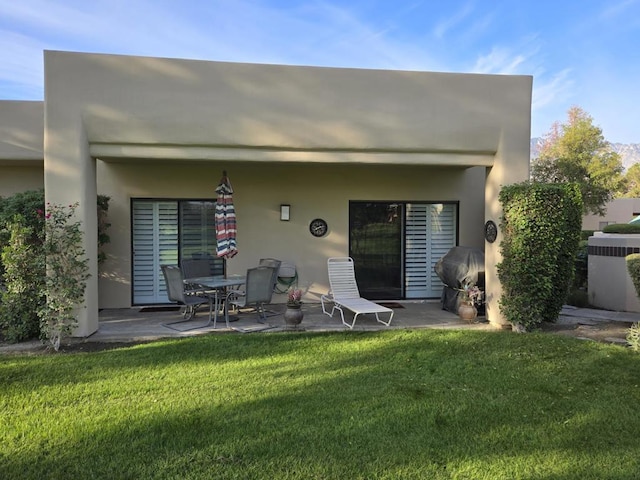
(225, 219)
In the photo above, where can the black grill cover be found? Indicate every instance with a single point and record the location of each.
(460, 265)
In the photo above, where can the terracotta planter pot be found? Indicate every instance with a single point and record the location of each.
(467, 312)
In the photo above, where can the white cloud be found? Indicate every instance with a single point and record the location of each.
(443, 26)
(21, 66)
(501, 61)
(617, 9)
(554, 90)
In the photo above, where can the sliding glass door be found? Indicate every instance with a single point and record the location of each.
(375, 244)
(165, 232)
(395, 246)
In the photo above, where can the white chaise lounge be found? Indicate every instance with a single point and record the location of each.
(344, 293)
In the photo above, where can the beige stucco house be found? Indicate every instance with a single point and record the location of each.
(423, 153)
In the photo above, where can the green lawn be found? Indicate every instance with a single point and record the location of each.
(428, 404)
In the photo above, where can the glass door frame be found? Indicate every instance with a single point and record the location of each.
(403, 230)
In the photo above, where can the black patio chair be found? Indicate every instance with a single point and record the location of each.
(258, 291)
(180, 293)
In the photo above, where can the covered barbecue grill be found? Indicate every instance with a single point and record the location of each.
(460, 265)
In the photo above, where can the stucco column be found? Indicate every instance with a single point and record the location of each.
(70, 177)
(511, 165)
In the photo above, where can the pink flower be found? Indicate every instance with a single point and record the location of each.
(471, 294)
(294, 296)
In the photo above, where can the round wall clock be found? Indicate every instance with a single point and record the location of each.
(490, 231)
(318, 227)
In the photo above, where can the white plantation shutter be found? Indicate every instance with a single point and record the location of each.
(155, 243)
(416, 243)
(430, 233)
(443, 238)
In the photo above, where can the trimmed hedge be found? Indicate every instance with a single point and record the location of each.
(541, 227)
(633, 267)
(621, 228)
(585, 234)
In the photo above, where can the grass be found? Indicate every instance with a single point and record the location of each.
(425, 404)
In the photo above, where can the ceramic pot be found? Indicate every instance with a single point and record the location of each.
(293, 315)
(467, 312)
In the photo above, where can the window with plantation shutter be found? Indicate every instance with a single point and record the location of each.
(417, 239)
(443, 238)
(430, 233)
(155, 242)
(165, 232)
(395, 259)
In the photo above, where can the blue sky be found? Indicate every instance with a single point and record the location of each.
(580, 52)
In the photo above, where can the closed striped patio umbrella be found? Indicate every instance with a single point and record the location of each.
(225, 220)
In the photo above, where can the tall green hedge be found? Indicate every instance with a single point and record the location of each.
(541, 230)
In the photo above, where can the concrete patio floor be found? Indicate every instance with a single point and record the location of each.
(135, 325)
(138, 325)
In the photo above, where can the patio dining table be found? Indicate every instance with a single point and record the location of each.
(221, 286)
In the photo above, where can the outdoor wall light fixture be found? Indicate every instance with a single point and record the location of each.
(285, 210)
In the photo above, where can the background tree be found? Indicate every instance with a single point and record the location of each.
(576, 152)
(632, 182)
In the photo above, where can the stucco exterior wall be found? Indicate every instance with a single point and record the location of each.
(16, 179)
(21, 147)
(21, 132)
(610, 285)
(119, 108)
(155, 101)
(311, 190)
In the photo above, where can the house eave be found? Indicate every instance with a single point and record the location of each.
(118, 153)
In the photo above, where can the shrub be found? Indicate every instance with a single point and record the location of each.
(633, 267)
(623, 228)
(25, 212)
(29, 206)
(103, 225)
(22, 296)
(66, 273)
(581, 265)
(585, 234)
(578, 297)
(633, 337)
(22, 208)
(541, 230)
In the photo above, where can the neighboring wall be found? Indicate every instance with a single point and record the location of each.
(16, 179)
(620, 210)
(610, 285)
(21, 150)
